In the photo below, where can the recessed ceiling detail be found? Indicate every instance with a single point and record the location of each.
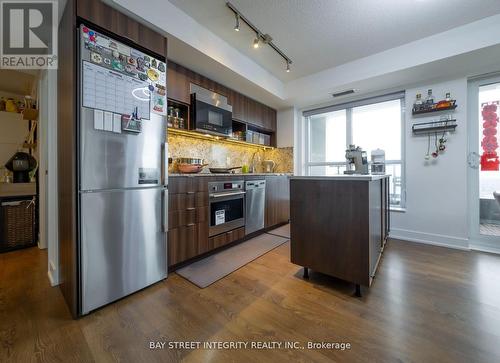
(322, 34)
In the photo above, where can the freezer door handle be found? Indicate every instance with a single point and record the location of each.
(164, 210)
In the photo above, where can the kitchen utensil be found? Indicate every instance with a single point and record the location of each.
(190, 168)
(224, 170)
(268, 166)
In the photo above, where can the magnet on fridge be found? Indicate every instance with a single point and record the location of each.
(98, 120)
(117, 123)
(108, 121)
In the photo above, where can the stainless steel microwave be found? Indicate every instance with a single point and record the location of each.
(210, 112)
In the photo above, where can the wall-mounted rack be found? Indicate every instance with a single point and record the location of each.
(435, 126)
(432, 110)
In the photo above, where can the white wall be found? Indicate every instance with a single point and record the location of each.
(436, 191)
(285, 125)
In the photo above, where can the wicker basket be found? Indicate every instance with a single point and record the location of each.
(17, 224)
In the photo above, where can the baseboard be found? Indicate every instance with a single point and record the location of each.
(485, 247)
(53, 280)
(430, 239)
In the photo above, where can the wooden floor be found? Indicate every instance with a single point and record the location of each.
(427, 304)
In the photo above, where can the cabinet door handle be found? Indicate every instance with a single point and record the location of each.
(191, 208)
(190, 224)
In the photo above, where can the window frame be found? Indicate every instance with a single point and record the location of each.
(348, 107)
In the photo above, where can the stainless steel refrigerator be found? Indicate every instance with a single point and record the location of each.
(122, 170)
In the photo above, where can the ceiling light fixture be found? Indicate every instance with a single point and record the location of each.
(256, 41)
(237, 25)
(266, 39)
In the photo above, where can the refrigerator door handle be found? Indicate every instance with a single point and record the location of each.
(164, 210)
(164, 159)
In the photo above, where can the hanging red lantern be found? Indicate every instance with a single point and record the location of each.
(489, 144)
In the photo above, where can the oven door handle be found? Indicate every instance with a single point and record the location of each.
(221, 195)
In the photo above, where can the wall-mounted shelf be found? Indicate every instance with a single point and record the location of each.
(435, 126)
(433, 110)
(218, 139)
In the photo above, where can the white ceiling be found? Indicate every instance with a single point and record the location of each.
(320, 34)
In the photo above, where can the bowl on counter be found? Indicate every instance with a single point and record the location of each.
(190, 168)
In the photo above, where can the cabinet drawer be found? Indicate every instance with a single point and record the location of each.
(181, 184)
(182, 201)
(181, 218)
(182, 244)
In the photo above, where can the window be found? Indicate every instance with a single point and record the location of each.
(371, 124)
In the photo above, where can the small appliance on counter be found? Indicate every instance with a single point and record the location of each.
(21, 164)
(269, 166)
(357, 161)
(378, 162)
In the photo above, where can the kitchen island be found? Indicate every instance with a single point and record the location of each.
(339, 225)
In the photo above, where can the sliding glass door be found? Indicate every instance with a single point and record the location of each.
(483, 160)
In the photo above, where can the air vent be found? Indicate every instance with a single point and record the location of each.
(343, 93)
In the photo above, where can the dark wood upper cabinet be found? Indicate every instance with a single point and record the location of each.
(108, 18)
(244, 108)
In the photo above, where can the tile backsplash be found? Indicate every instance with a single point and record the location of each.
(217, 154)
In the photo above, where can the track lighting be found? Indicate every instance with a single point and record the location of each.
(256, 41)
(237, 25)
(260, 37)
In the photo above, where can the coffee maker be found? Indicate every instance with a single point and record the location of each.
(20, 164)
(357, 160)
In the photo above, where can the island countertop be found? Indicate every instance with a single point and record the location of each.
(361, 177)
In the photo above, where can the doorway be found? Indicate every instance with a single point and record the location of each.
(27, 146)
(484, 163)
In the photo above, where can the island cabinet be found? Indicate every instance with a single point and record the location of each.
(339, 225)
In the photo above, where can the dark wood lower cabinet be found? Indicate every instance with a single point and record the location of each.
(189, 215)
(226, 238)
(277, 200)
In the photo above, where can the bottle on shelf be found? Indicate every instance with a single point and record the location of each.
(429, 100)
(417, 105)
(170, 116)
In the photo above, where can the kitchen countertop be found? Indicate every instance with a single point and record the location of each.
(17, 189)
(230, 174)
(343, 177)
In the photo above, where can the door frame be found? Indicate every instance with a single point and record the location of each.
(476, 240)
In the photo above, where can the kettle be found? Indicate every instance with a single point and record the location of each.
(268, 166)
